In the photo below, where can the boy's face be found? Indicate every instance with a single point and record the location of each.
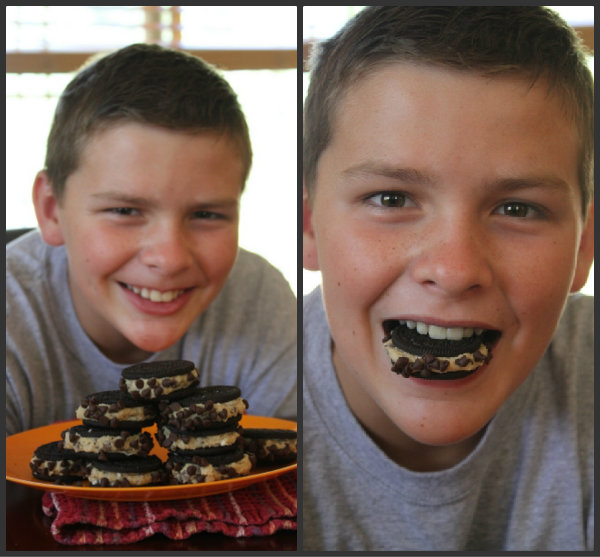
(449, 199)
(150, 223)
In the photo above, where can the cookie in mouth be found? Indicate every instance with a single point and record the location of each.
(431, 352)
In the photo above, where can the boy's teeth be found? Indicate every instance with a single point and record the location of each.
(155, 295)
(442, 333)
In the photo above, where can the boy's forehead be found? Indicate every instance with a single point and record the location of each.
(126, 153)
(384, 84)
(416, 101)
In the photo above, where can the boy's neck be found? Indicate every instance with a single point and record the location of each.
(398, 446)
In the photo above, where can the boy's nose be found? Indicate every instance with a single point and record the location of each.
(454, 260)
(167, 249)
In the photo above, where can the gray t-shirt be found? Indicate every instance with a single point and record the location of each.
(528, 485)
(247, 337)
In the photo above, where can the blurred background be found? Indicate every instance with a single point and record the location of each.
(320, 22)
(46, 44)
(254, 46)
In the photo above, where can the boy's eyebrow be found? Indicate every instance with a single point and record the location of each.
(120, 197)
(412, 175)
(404, 174)
(526, 182)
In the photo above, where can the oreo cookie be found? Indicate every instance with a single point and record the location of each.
(106, 443)
(203, 441)
(132, 471)
(207, 407)
(53, 463)
(185, 469)
(419, 355)
(271, 445)
(116, 409)
(156, 380)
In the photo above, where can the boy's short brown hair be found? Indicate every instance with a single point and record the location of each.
(530, 41)
(146, 84)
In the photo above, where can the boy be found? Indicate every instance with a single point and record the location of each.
(448, 374)
(136, 257)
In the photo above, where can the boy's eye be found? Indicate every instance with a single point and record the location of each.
(518, 209)
(391, 199)
(207, 215)
(123, 211)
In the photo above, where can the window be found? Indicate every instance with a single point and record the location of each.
(46, 44)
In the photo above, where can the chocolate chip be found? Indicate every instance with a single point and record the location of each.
(462, 361)
(478, 356)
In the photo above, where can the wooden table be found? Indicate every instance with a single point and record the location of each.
(28, 529)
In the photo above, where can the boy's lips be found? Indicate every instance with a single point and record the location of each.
(154, 295)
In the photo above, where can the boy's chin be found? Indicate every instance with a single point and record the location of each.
(151, 341)
(442, 429)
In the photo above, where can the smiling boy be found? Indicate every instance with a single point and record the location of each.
(448, 373)
(136, 257)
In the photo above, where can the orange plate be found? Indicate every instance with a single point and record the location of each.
(20, 447)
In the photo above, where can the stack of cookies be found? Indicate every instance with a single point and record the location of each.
(199, 427)
(203, 436)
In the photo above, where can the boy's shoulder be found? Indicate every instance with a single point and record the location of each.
(28, 257)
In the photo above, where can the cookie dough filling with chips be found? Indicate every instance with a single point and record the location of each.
(200, 469)
(106, 443)
(190, 441)
(271, 445)
(419, 350)
(207, 407)
(130, 472)
(115, 409)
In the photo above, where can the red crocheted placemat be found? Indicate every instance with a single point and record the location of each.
(258, 510)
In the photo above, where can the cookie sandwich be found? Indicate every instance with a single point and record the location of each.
(190, 469)
(159, 379)
(270, 445)
(116, 409)
(51, 462)
(100, 443)
(207, 407)
(430, 352)
(133, 471)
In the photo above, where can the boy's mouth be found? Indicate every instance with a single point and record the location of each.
(155, 295)
(418, 349)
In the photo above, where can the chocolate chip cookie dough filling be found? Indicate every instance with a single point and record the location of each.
(202, 441)
(156, 380)
(271, 445)
(52, 463)
(208, 407)
(430, 352)
(106, 443)
(116, 409)
(199, 469)
(129, 472)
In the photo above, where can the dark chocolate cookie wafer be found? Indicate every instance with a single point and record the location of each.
(156, 380)
(132, 471)
(198, 469)
(202, 441)
(116, 409)
(106, 443)
(208, 407)
(271, 445)
(53, 463)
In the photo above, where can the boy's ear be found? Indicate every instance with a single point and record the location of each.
(309, 245)
(585, 256)
(46, 210)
